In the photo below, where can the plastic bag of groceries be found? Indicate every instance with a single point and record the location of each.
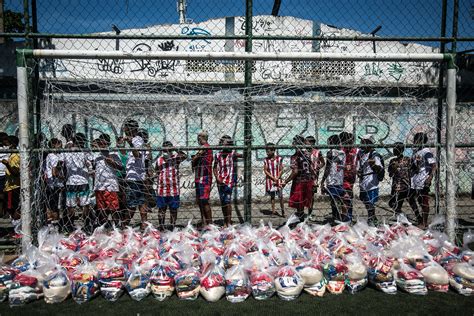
(436, 277)
(69, 259)
(49, 239)
(7, 274)
(111, 276)
(356, 277)
(138, 282)
(334, 270)
(314, 281)
(162, 279)
(233, 254)
(188, 283)
(262, 280)
(380, 272)
(468, 240)
(462, 278)
(212, 279)
(288, 283)
(85, 284)
(410, 280)
(237, 287)
(27, 260)
(56, 285)
(26, 287)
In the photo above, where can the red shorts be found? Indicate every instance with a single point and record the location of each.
(106, 200)
(301, 194)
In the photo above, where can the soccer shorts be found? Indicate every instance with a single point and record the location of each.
(225, 194)
(301, 194)
(77, 195)
(135, 193)
(168, 201)
(203, 191)
(369, 197)
(106, 200)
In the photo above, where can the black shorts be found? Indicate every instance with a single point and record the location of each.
(53, 198)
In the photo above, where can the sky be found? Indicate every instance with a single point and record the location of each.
(397, 18)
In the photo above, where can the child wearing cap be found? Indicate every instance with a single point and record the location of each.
(273, 168)
(167, 194)
(301, 176)
(370, 171)
(225, 175)
(423, 167)
(333, 177)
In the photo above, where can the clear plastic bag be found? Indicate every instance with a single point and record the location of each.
(462, 278)
(26, 287)
(162, 280)
(138, 282)
(436, 277)
(314, 281)
(237, 287)
(188, 284)
(356, 277)
(85, 284)
(111, 276)
(288, 283)
(212, 279)
(410, 280)
(56, 286)
(335, 273)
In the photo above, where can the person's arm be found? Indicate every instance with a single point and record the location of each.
(216, 174)
(267, 172)
(432, 162)
(392, 167)
(294, 172)
(321, 162)
(114, 162)
(327, 170)
(375, 164)
(13, 166)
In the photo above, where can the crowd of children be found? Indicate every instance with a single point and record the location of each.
(130, 178)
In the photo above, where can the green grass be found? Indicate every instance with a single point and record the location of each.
(366, 302)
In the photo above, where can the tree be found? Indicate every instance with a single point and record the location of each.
(13, 22)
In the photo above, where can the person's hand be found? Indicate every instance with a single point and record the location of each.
(371, 162)
(220, 180)
(5, 162)
(428, 182)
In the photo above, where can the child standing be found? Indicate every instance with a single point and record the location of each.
(106, 184)
(350, 170)
(202, 166)
(225, 176)
(12, 180)
(167, 167)
(78, 168)
(317, 163)
(333, 177)
(423, 167)
(370, 170)
(54, 179)
(399, 171)
(273, 168)
(301, 177)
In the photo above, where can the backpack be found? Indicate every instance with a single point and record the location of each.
(381, 174)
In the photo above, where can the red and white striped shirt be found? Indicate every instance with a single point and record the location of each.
(225, 167)
(274, 166)
(168, 175)
(315, 163)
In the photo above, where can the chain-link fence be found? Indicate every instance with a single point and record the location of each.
(81, 106)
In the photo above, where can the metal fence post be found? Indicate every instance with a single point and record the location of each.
(248, 108)
(24, 144)
(451, 214)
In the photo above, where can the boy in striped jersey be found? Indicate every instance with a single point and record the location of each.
(273, 167)
(226, 176)
(317, 163)
(167, 168)
(202, 166)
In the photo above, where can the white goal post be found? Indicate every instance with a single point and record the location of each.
(23, 55)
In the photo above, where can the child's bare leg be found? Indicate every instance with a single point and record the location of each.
(272, 199)
(173, 217)
(227, 210)
(282, 206)
(143, 214)
(161, 217)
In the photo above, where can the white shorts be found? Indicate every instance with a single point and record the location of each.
(77, 195)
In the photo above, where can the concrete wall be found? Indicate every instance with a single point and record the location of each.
(367, 73)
